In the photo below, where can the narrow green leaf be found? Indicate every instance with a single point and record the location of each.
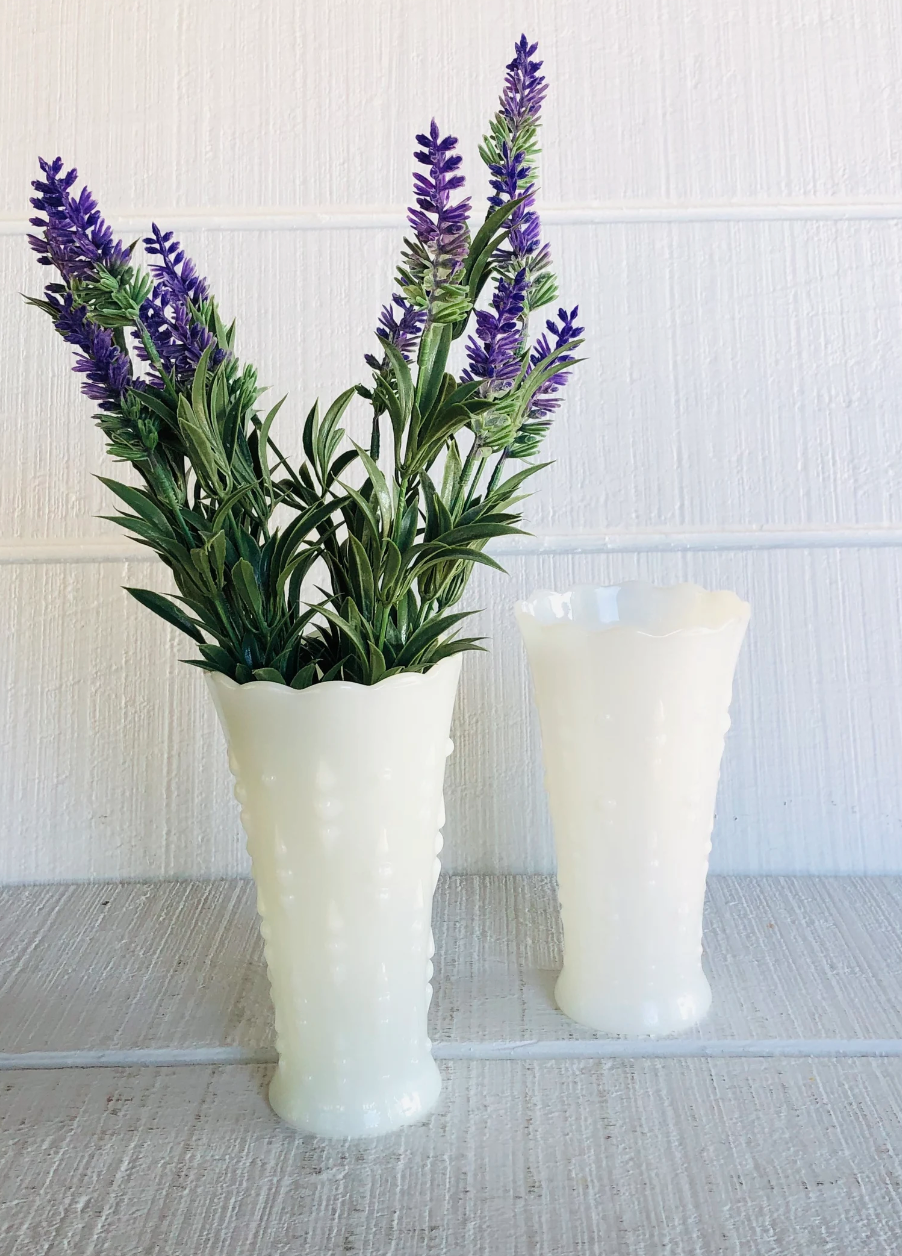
(311, 426)
(362, 574)
(141, 504)
(245, 584)
(435, 345)
(402, 377)
(384, 495)
(270, 674)
(304, 678)
(345, 630)
(426, 634)
(199, 385)
(167, 610)
(391, 565)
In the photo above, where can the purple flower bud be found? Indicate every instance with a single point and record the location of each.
(75, 239)
(403, 332)
(436, 257)
(493, 351)
(107, 369)
(544, 400)
(168, 316)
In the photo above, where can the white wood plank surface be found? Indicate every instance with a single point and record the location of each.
(249, 103)
(179, 966)
(617, 1158)
(736, 374)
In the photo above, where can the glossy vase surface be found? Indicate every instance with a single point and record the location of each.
(340, 788)
(633, 686)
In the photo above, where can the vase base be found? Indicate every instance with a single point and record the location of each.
(371, 1117)
(652, 1017)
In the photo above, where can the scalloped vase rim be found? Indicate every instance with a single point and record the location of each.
(528, 608)
(403, 679)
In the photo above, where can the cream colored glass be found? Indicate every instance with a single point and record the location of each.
(340, 788)
(633, 686)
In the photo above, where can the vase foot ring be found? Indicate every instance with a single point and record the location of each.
(401, 1106)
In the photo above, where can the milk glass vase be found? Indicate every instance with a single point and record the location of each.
(633, 686)
(340, 788)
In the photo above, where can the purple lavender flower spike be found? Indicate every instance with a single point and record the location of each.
(511, 152)
(493, 351)
(432, 261)
(76, 239)
(447, 234)
(544, 400)
(175, 272)
(107, 369)
(524, 87)
(168, 315)
(403, 332)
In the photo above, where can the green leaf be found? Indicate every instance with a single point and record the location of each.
(361, 574)
(377, 664)
(367, 511)
(199, 385)
(384, 495)
(391, 565)
(345, 629)
(426, 634)
(453, 467)
(483, 236)
(167, 610)
(408, 530)
(311, 426)
(218, 658)
(458, 646)
(440, 554)
(245, 584)
(304, 678)
(270, 674)
(435, 345)
(141, 504)
(402, 377)
(146, 531)
(263, 442)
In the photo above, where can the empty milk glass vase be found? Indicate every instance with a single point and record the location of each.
(633, 686)
(340, 788)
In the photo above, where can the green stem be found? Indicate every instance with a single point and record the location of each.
(474, 455)
(496, 473)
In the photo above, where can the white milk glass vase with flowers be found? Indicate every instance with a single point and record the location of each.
(336, 711)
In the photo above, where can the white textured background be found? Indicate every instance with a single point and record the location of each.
(723, 182)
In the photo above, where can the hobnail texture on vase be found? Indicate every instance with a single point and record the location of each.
(340, 788)
(633, 686)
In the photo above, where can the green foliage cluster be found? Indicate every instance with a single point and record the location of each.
(390, 533)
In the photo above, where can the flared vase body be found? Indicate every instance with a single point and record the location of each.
(633, 686)
(340, 788)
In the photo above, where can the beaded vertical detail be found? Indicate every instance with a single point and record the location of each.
(340, 787)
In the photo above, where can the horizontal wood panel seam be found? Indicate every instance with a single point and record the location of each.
(362, 218)
(564, 1049)
(617, 541)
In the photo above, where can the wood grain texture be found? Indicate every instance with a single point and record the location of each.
(737, 374)
(179, 965)
(683, 1158)
(248, 103)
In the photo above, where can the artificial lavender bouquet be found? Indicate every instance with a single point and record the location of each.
(397, 526)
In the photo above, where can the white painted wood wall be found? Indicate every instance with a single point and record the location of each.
(723, 182)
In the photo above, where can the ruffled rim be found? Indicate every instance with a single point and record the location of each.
(652, 610)
(403, 680)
